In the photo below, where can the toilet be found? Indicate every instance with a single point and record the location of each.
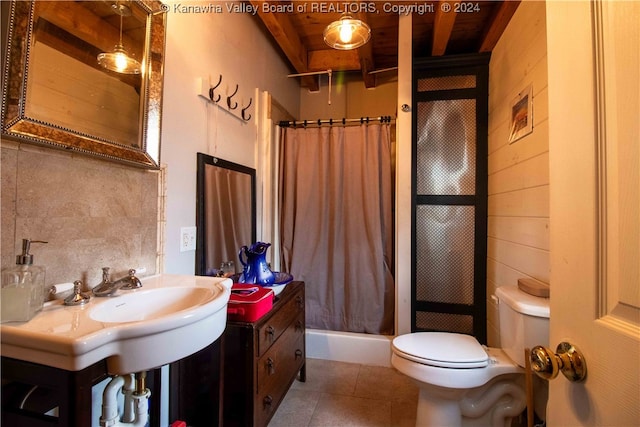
(463, 383)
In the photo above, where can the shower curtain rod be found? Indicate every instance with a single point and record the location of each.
(331, 122)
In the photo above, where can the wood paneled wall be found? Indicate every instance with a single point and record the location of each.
(518, 217)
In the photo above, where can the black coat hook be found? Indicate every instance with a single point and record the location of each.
(235, 104)
(247, 117)
(212, 91)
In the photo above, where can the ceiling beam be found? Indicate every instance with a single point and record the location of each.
(367, 64)
(365, 52)
(497, 25)
(442, 27)
(283, 31)
(336, 60)
(85, 25)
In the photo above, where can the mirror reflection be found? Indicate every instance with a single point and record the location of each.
(66, 84)
(226, 214)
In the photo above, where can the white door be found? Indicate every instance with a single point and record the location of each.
(593, 54)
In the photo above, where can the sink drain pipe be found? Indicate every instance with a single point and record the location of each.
(136, 402)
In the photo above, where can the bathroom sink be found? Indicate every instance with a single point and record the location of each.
(149, 304)
(169, 318)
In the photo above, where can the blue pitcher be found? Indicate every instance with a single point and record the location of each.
(255, 268)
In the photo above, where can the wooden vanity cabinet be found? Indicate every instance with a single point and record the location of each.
(263, 358)
(30, 390)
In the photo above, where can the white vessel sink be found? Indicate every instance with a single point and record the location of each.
(169, 318)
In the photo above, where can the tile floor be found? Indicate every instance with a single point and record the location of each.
(338, 394)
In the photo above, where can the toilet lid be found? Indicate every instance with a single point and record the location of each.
(442, 349)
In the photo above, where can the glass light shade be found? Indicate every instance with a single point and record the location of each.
(119, 61)
(347, 33)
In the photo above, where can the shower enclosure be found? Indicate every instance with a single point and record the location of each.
(449, 189)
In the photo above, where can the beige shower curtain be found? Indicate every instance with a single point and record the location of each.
(336, 224)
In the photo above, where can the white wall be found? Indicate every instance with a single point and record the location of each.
(518, 222)
(350, 98)
(207, 45)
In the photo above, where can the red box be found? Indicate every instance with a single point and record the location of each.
(248, 303)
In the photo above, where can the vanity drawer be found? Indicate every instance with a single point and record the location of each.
(276, 371)
(274, 326)
(283, 358)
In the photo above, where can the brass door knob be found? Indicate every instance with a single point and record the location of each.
(567, 359)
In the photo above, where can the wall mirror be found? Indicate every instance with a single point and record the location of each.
(57, 94)
(225, 214)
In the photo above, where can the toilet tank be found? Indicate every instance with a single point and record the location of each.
(524, 322)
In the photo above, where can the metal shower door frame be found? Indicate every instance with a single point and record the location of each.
(459, 65)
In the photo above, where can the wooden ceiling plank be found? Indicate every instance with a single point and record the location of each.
(336, 60)
(443, 22)
(497, 25)
(299, 34)
(283, 31)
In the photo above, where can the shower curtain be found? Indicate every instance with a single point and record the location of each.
(336, 224)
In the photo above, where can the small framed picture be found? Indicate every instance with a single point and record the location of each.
(521, 115)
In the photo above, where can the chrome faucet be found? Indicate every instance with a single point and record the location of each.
(107, 287)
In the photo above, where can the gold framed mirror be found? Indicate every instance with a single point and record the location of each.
(57, 94)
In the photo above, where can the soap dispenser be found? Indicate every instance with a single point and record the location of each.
(22, 291)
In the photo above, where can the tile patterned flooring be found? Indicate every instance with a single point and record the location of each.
(339, 394)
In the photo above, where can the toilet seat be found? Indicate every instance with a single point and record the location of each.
(442, 350)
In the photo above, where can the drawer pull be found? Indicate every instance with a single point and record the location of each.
(300, 302)
(271, 366)
(267, 401)
(299, 325)
(271, 332)
(298, 354)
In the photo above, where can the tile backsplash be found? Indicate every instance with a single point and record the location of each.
(92, 213)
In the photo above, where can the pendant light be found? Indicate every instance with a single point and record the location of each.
(347, 33)
(118, 60)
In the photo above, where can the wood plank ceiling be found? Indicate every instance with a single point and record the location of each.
(439, 28)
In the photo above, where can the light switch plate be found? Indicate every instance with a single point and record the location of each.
(187, 239)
